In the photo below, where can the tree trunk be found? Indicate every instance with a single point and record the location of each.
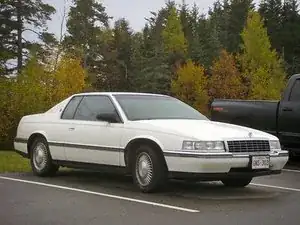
(20, 28)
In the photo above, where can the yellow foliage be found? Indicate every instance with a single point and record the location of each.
(69, 79)
(260, 64)
(226, 81)
(36, 90)
(190, 86)
(173, 36)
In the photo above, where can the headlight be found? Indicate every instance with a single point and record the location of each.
(275, 145)
(204, 146)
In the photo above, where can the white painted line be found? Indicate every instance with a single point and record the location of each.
(277, 187)
(102, 194)
(289, 170)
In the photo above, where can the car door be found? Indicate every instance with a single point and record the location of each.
(289, 117)
(91, 140)
(58, 132)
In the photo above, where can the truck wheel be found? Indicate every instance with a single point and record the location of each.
(40, 158)
(148, 170)
(236, 182)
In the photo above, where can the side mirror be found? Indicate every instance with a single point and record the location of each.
(108, 117)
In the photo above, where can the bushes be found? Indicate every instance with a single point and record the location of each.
(36, 90)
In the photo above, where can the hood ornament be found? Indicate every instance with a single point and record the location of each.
(250, 134)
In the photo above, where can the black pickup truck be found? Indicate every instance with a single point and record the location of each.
(280, 118)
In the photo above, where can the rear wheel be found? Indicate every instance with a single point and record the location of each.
(148, 169)
(236, 182)
(40, 158)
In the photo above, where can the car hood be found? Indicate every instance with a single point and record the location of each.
(207, 130)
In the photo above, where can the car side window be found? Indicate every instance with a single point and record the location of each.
(295, 93)
(70, 109)
(91, 106)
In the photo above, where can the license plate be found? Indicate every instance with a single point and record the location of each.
(260, 162)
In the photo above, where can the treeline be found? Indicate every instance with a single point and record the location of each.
(235, 51)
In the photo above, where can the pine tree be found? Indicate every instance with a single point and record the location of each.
(86, 20)
(229, 17)
(17, 17)
(271, 11)
(290, 35)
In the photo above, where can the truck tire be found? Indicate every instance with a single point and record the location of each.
(236, 182)
(148, 169)
(40, 158)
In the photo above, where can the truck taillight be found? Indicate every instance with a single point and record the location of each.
(218, 109)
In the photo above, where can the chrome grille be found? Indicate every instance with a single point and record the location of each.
(248, 146)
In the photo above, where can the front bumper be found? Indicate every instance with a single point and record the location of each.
(222, 163)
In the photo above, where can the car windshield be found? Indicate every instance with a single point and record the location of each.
(150, 107)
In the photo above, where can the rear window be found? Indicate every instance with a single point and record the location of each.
(70, 109)
(295, 94)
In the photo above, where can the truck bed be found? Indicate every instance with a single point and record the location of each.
(257, 114)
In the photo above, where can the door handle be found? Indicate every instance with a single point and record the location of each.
(71, 128)
(287, 109)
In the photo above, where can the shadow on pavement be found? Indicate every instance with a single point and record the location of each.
(175, 188)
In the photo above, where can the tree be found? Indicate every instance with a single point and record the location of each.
(115, 66)
(190, 86)
(68, 78)
(238, 12)
(260, 65)
(271, 11)
(204, 45)
(229, 17)
(173, 37)
(226, 81)
(17, 17)
(87, 19)
(35, 90)
(290, 35)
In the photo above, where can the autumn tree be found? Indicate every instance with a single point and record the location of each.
(36, 90)
(173, 36)
(190, 86)
(226, 81)
(69, 78)
(174, 42)
(260, 64)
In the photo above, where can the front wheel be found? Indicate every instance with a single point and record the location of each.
(236, 182)
(40, 158)
(149, 170)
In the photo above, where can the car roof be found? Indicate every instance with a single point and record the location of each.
(119, 93)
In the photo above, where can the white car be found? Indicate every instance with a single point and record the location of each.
(153, 136)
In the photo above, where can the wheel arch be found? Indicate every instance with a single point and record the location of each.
(32, 137)
(137, 141)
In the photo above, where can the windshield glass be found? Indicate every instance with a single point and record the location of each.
(150, 107)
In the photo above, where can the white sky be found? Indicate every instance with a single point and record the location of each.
(133, 10)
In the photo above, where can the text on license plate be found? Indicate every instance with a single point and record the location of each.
(260, 162)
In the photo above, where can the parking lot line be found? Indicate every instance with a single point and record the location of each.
(101, 194)
(277, 187)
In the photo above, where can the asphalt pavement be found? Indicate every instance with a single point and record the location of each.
(84, 198)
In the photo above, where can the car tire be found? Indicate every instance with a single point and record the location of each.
(149, 170)
(40, 158)
(236, 182)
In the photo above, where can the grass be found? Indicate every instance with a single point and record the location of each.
(12, 162)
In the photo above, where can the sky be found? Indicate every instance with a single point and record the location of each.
(134, 11)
